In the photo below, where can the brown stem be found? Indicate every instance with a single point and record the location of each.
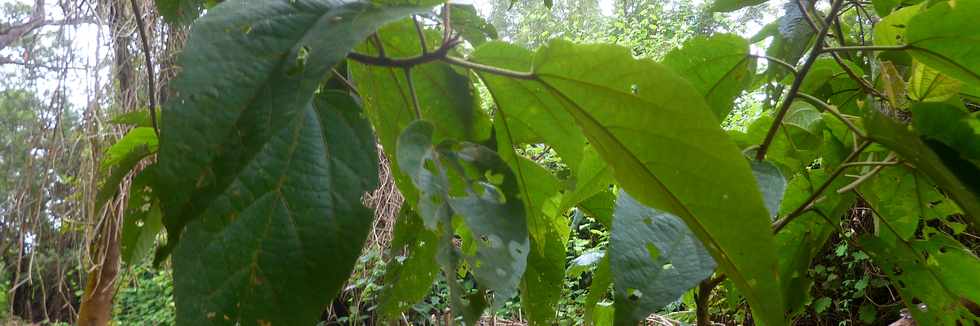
(140, 26)
(798, 81)
(703, 298)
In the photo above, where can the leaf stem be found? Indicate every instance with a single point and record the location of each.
(865, 177)
(781, 223)
(411, 90)
(798, 81)
(867, 48)
(421, 33)
(788, 66)
(489, 69)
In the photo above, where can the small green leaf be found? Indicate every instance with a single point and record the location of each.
(720, 67)
(654, 258)
(771, 183)
(470, 25)
(584, 262)
(181, 12)
(821, 305)
(601, 280)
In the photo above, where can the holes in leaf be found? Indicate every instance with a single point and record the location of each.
(299, 65)
(653, 251)
(634, 89)
(494, 178)
(634, 294)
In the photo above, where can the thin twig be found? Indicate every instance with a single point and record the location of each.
(378, 45)
(347, 83)
(781, 223)
(149, 66)
(489, 69)
(785, 64)
(797, 82)
(867, 176)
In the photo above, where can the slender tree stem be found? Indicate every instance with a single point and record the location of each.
(833, 111)
(151, 83)
(798, 81)
(703, 298)
(781, 223)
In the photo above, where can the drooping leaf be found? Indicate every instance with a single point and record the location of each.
(944, 36)
(141, 221)
(719, 67)
(473, 182)
(654, 259)
(413, 268)
(255, 253)
(667, 149)
(935, 277)
(940, 163)
(121, 158)
(248, 70)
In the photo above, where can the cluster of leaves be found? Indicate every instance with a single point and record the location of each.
(149, 300)
(269, 144)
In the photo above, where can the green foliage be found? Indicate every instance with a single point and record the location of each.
(148, 299)
(517, 195)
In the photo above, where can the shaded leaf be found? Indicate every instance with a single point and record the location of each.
(654, 259)
(470, 25)
(141, 222)
(255, 254)
(732, 5)
(950, 124)
(121, 158)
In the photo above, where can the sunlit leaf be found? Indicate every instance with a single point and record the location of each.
(719, 67)
(944, 36)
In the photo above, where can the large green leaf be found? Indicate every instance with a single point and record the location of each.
(248, 70)
(470, 25)
(902, 197)
(473, 182)
(935, 277)
(720, 67)
(654, 259)
(944, 36)
(943, 165)
(255, 254)
(413, 268)
(666, 148)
